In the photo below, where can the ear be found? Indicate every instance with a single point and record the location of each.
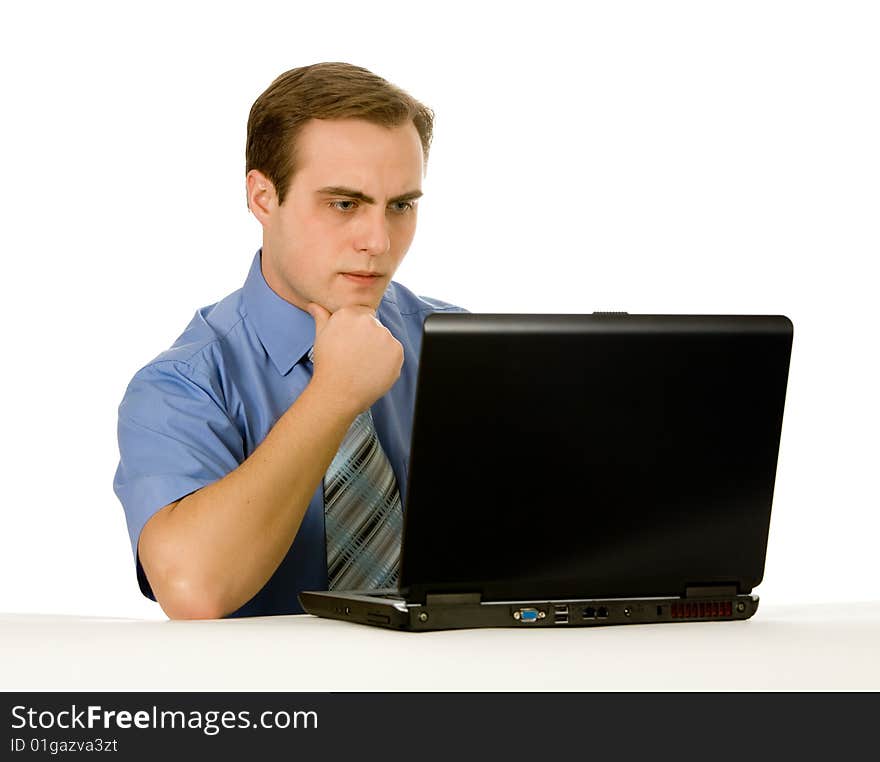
(261, 196)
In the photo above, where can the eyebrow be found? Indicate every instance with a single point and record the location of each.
(337, 190)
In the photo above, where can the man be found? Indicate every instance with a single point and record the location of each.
(265, 452)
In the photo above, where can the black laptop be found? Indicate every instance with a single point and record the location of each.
(581, 470)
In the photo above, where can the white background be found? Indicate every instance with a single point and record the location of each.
(674, 157)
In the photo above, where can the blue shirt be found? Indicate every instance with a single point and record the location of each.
(199, 409)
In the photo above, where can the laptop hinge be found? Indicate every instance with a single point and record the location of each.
(710, 591)
(450, 599)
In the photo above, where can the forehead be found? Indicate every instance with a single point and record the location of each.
(343, 151)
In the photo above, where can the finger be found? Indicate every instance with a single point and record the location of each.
(320, 315)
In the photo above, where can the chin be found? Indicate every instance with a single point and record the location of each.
(353, 303)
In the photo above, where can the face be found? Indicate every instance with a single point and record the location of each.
(350, 208)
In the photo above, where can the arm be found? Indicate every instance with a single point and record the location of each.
(210, 552)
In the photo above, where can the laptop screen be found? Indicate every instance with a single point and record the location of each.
(597, 455)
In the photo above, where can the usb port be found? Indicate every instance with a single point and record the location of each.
(560, 614)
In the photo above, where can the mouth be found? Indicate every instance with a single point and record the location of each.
(362, 277)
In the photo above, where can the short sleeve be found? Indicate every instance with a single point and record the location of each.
(175, 437)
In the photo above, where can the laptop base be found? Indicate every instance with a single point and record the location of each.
(398, 614)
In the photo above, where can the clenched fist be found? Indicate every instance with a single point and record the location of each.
(356, 358)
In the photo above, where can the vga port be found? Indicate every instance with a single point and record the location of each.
(528, 615)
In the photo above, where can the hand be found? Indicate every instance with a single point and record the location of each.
(356, 358)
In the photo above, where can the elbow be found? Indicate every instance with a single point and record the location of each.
(182, 598)
(182, 590)
(177, 576)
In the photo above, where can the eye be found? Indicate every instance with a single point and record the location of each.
(401, 207)
(345, 205)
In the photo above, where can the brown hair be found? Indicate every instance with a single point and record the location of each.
(323, 91)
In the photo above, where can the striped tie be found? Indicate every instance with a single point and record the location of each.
(362, 513)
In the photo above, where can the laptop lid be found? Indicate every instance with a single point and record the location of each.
(606, 455)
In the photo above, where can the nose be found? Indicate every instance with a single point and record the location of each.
(372, 233)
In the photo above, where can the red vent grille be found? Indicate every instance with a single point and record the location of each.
(702, 610)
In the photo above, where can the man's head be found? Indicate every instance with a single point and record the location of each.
(335, 159)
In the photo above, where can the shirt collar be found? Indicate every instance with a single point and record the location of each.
(285, 331)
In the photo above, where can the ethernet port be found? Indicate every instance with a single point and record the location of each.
(602, 613)
(589, 612)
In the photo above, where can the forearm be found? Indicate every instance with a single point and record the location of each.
(221, 544)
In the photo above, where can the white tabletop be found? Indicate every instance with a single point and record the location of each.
(803, 647)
